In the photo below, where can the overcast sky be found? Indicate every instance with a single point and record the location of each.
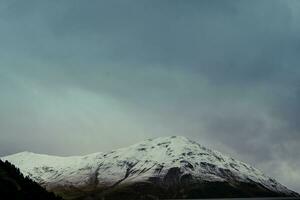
(78, 77)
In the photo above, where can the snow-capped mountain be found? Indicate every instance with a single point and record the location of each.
(169, 167)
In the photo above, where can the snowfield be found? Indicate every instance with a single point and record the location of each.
(139, 162)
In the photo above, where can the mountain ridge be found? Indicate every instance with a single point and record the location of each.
(164, 165)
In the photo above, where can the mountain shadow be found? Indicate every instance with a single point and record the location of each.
(14, 186)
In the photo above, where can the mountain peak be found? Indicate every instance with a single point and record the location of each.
(161, 161)
(172, 139)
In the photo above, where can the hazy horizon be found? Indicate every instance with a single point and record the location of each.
(78, 78)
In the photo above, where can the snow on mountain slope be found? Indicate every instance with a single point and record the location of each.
(139, 162)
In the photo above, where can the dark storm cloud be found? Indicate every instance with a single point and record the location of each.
(224, 73)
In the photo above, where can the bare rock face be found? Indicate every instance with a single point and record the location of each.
(167, 167)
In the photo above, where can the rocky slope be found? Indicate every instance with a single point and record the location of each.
(166, 167)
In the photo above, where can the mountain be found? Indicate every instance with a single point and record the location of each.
(166, 167)
(14, 186)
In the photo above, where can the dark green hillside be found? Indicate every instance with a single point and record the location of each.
(13, 185)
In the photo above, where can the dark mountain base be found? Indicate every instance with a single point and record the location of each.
(174, 185)
(152, 190)
(14, 186)
(203, 190)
